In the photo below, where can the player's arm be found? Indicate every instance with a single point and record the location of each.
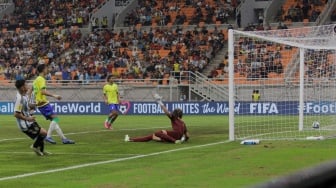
(47, 93)
(29, 92)
(164, 108)
(19, 115)
(43, 89)
(32, 106)
(118, 97)
(105, 98)
(186, 133)
(158, 99)
(104, 95)
(187, 136)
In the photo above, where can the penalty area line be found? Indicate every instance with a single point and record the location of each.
(109, 161)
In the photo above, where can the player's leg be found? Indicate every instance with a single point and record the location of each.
(112, 115)
(59, 131)
(165, 137)
(107, 123)
(39, 140)
(42, 135)
(34, 133)
(140, 139)
(179, 138)
(47, 111)
(158, 139)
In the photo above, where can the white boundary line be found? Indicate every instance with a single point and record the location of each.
(82, 154)
(88, 132)
(109, 161)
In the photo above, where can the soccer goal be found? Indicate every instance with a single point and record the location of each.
(282, 83)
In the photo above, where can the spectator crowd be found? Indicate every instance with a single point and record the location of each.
(136, 52)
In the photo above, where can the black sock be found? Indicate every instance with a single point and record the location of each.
(39, 142)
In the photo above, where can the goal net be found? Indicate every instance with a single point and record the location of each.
(282, 83)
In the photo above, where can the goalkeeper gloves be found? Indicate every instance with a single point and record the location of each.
(158, 98)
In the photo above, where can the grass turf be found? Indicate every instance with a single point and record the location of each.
(193, 164)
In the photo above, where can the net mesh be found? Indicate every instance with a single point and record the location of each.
(318, 37)
(268, 62)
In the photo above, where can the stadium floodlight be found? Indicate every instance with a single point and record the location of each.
(294, 71)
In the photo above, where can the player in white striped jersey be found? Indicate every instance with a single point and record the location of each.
(25, 121)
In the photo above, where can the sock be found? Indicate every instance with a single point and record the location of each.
(42, 146)
(39, 142)
(112, 119)
(142, 139)
(165, 137)
(59, 130)
(51, 128)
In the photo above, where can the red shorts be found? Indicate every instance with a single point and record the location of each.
(176, 135)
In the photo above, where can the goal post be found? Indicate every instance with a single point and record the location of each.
(281, 82)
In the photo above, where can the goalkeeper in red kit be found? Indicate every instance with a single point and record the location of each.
(178, 134)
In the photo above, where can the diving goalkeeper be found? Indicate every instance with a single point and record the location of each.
(178, 134)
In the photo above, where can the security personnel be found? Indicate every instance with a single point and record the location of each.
(104, 22)
(255, 95)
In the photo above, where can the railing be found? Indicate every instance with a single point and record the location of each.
(183, 27)
(206, 88)
(198, 83)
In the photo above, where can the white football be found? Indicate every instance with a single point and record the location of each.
(316, 125)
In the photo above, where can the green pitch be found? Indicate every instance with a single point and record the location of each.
(100, 158)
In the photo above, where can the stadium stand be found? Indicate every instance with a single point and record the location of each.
(131, 54)
(36, 14)
(302, 11)
(147, 54)
(138, 52)
(167, 13)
